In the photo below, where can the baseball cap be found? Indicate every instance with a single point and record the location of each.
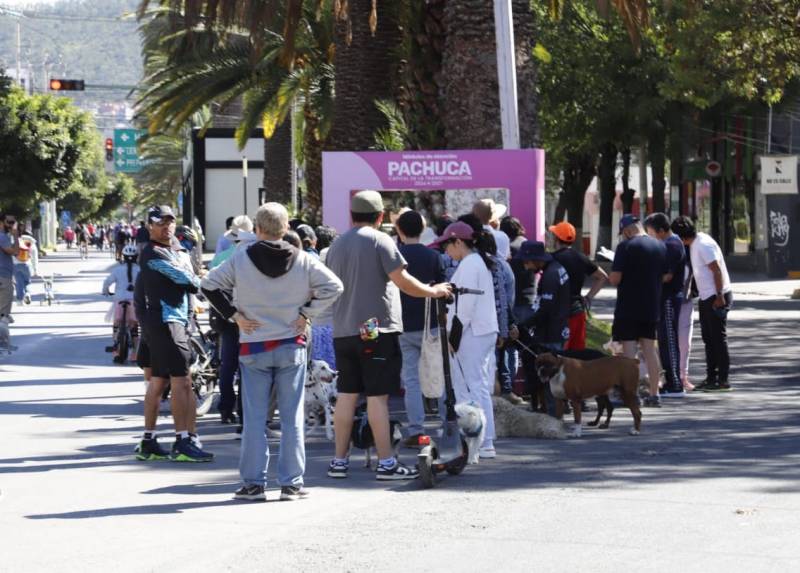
(159, 212)
(366, 202)
(564, 232)
(533, 251)
(457, 230)
(627, 221)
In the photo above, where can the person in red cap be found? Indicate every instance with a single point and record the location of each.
(578, 267)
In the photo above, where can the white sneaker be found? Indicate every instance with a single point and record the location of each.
(487, 453)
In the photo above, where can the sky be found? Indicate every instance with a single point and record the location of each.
(24, 3)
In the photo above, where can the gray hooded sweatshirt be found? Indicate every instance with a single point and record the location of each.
(271, 282)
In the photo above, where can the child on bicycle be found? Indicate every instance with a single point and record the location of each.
(123, 277)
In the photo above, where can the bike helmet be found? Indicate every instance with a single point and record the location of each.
(185, 234)
(129, 252)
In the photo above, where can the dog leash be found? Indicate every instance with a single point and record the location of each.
(527, 349)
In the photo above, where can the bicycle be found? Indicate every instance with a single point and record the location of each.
(124, 336)
(204, 369)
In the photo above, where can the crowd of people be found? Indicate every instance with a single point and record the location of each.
(106, 236)
(277, 286)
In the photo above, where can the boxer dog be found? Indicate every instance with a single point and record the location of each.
(576, 380)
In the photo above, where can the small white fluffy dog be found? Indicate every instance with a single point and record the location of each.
(5, 336)
(320, 398)
(518, 422)
(472, 423)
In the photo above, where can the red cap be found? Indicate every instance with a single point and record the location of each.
(457, 230)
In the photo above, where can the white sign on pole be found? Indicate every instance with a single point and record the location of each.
(779, 175)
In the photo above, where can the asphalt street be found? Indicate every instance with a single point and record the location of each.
(711, 484)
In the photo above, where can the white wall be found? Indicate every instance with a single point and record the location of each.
(225, 198)
(224, 149)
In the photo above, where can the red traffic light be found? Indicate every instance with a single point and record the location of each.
(60, 85)
(109, 149)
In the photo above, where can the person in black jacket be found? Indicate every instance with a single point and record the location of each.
(547, 327)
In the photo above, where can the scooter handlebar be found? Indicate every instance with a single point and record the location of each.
(462, 290)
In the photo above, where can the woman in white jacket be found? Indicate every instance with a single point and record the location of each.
(473, 364)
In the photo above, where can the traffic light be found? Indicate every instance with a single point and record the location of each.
(109, 149)
(62, 85)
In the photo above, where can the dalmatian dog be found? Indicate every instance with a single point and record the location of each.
(320, 397)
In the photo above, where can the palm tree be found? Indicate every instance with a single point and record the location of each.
(186, 72)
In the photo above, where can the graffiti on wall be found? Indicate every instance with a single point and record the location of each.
(778, 228)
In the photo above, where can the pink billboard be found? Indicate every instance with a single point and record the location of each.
(519, 172)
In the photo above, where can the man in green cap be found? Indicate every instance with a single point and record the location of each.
(367, 323)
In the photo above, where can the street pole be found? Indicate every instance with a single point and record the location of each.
(244, 181)
(506, 73)
(19, 54)
(769, 131)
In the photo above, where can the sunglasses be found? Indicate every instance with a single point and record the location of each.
(11, 222)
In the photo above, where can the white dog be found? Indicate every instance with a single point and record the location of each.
(320, 397)
(472, 423)
(5, 336)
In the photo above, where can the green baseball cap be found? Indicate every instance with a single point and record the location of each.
(366, 202)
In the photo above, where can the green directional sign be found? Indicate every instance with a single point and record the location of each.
(126, 156)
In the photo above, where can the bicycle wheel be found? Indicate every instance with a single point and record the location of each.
(123, 344)
(203, 377)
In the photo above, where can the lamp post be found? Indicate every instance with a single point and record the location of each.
(506, 73)
(244, 181)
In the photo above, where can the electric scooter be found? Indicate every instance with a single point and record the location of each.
(449, 453)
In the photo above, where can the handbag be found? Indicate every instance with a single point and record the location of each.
(430, 367)
(456, 330)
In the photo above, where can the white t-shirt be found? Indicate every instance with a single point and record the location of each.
(502, 241)
(704, 251)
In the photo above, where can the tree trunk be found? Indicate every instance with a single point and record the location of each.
(607, 183)
(578, 174)
(470, 104)
(526, 64)
(312, 202)
(561, 207)
(365, 72)
(627, 190)
(278, 164)
(658, 157)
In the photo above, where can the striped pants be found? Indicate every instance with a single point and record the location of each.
(668, 345)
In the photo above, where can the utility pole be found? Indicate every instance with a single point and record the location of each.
(244, 181)
(506, 73)
(19, 53)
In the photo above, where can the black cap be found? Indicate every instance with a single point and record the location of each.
(533, 251)
(305, 232)
(159, 212)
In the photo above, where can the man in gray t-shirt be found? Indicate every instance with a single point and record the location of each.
(9, 248)
(367, 321)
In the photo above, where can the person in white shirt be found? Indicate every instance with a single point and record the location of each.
(714, 286)
(473, 362)
(490, 214)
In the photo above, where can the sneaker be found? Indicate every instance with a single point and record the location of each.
(670, 393)
(717, 387)
(487, 453)
(412, 441)
(396, 472)
(293, 492)
(184, 450)
(26, 299)
(228, 417)
(150, 451)
(250, 493)
(651, 402)
(511, 397)
(338, 469)
(196, 440)
(701, 387)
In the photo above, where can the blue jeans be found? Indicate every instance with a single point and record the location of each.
(410, 347)
(22, 278)
(229, 361)
(284, 367)
(506, 366)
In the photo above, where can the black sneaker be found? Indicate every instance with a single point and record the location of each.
(702, 386)
(338, 469)
(150, 451)
(651, 402)
(717, 387)
(293, 492)
(184, 450)
(228, 417)
(396, 472)
(250, 493)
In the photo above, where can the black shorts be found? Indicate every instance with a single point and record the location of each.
(627, 329)
(371, 368)
(143, 355)
(170, 352)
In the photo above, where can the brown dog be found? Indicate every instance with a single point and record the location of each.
(577, 380)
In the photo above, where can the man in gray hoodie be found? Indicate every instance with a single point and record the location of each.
(276, 291)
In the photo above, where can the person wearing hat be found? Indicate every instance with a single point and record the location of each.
(578, 267)
(161, 301)
(367, 323)
(489, 213)
(638, 271)
(224, 241)
(473, 360)
(548, 326)
(308, 239)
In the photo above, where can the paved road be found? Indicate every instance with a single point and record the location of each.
(711, 484)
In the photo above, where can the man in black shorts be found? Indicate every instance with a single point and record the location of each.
(367, 323)
(161, 298)
(638, 271)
